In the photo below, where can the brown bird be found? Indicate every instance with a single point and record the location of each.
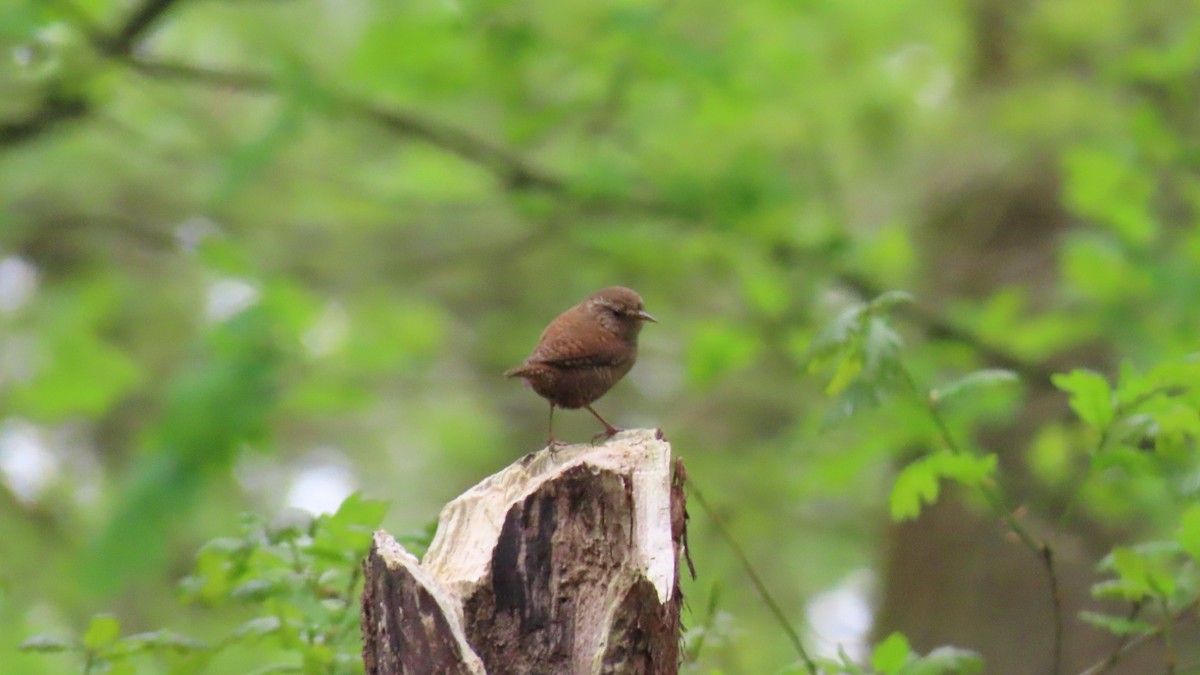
(585, 351)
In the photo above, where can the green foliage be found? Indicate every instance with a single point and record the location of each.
(413, 189)
(1091, 397)
(300, 579)
(917, 483)
(894, 656)
(863, 353)
(989, 377)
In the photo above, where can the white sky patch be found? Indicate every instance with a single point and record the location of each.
(842, 616)
(228, 296)
(329, 332)
(18, 281)
(321, 488)
(27, 465)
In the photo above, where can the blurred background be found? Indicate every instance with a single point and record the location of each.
(256, 255)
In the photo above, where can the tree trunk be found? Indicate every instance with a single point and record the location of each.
(564, 562)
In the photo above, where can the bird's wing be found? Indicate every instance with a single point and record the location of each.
(567, 352)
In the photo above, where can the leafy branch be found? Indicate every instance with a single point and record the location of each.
(864, 353)
(302, 579)
(1130, 644)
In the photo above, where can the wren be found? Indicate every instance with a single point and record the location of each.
(584, 352)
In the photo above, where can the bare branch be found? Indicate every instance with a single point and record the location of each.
(54, 111)
(47, 116)
(141, 20)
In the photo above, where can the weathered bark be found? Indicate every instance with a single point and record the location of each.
(564, 562)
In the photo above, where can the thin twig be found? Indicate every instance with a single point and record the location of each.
(1127, 646)
(755, 579)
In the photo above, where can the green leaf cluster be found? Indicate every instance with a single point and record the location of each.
(300, 580)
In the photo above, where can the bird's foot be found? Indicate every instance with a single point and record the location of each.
(553, 445)
(608, 433)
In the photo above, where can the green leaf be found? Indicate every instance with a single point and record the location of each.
(1144, 571)
(835, 337)
(981, 378)
(966, 469)
(847, 371)
(159, 640)
(881, 349)
(259, 627)
(47, 644)
(1112, 190)
(889, 656)
(359, 511)
(890, 300)
(1091, 396)
(345, 534)
(946, 661)
(857, 397)
(254, 590)
(1131, 569)
(1110, 589)
(1189, 531)
(101, 632)
(171, 640)
(917, 484)
(1117, 625)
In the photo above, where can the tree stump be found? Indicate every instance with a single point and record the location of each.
(564, 562)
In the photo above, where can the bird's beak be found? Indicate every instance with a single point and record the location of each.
(643, 315)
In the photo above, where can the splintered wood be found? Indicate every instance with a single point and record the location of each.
(566, 562)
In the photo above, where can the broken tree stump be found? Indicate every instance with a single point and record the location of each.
(565, 562)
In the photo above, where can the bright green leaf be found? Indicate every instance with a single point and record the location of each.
(1189, 531)
(101, 632)
(1113, 190)
(46, 644)
(1117, 625)
(1133, 571)
(847, 371)
(890, 654)
(946, 661)
(259, 627)
(964, 468)
(917, 484)
(1091, 396)
(981, 378)
(890, 300)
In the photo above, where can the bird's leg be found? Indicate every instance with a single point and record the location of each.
(609, 429)
(550, 442)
